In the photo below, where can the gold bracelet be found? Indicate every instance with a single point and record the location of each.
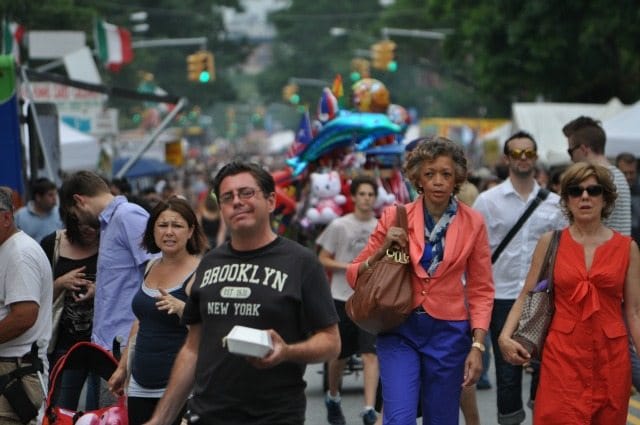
(480, 346)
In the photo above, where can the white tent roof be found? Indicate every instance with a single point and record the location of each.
(280, 141)
(623, 132)
(500, 133)
(78, 150)
(545, 121)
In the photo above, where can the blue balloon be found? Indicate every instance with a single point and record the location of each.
(347, 128)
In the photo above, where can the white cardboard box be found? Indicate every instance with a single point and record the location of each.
(248, 341)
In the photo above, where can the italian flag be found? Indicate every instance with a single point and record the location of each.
(114, 45)
(12, 34)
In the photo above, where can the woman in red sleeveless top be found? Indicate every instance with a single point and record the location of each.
(585, 375)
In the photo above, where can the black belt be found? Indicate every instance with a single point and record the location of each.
(419, 309)
(27, 358)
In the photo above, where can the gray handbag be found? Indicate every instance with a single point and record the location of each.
(538, 308)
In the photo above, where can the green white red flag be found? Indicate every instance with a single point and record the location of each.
(113, 44)
(12, 34)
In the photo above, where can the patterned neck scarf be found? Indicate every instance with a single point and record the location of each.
(434, 236)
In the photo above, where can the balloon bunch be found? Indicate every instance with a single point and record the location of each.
(375, 122)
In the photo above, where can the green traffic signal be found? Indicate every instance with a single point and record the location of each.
(204, 77)
(295, 98)
(392, 66)
(355, 76)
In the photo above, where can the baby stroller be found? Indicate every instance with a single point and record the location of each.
(83, 359)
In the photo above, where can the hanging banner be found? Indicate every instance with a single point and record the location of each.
(11, 163)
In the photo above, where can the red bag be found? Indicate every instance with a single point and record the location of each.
(86, 357)
(383, 296)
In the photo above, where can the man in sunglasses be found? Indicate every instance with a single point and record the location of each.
(586, 139)
(502, 206)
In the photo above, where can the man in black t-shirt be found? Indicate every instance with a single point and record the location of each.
(258, 280)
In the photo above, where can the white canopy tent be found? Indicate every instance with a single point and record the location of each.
(544, 121)
(78, 150)
(623, 132)
(280, 141)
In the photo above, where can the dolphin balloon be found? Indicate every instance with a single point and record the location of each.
(345, 129)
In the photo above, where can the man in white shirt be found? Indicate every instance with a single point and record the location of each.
(501, 207)
(26, 291)
(341, 242)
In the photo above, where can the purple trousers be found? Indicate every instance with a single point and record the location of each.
(422, 360)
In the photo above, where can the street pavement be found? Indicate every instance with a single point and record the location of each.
(352, 400)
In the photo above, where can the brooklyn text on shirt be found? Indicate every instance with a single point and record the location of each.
(245, 273)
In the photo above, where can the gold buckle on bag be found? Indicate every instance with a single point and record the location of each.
(398, 256)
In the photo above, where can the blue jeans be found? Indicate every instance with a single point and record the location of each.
(508, 376)
(72, 380)
(423, 358)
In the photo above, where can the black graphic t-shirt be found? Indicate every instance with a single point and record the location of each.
(281, 286)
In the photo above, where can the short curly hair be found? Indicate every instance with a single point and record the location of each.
(579, 172)
(428, 149)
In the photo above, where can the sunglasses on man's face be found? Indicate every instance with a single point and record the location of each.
(592, 190)
(517, 153)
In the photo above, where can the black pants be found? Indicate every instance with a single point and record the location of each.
(140, 410)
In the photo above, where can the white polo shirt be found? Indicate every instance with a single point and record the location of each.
(501, 207)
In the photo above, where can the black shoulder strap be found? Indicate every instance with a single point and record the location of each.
(541, 196)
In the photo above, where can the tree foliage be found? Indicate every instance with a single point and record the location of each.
(559, 50)
(166, 18)
(499, 51)
(304, 47)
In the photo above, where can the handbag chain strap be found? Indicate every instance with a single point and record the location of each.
(401, 218)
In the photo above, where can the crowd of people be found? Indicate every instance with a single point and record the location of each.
(172, 272)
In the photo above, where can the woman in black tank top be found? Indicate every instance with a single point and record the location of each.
(73, 254)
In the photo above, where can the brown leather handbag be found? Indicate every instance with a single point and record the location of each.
(383, 296)
(538, 308)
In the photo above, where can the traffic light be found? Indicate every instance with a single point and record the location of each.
(201, 67)
(209, 72)
(382, 55)
(359, 69)
(290, 93)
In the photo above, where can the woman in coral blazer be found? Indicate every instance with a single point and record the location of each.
(438, 349)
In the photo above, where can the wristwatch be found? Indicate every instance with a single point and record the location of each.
(480, 346)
